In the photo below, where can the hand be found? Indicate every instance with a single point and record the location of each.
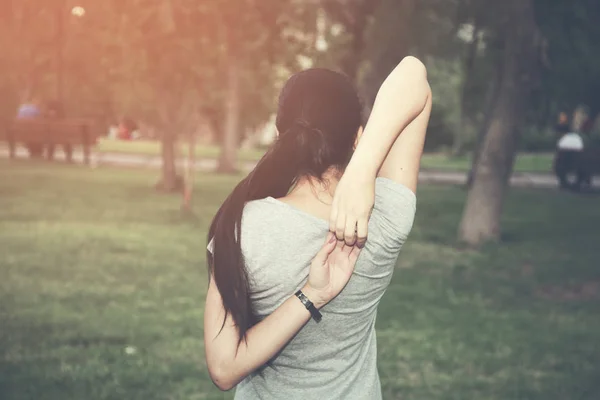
(330, 271)
(351, 208)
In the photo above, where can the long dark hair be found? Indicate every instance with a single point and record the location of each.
(318, 117)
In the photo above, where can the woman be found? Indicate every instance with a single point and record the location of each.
(261, 332)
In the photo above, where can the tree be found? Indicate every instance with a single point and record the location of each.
(570, 62)
(473, 44)
(488, 108)
(258, 38)
(162, 61)
(388, 42)
(572, 54)
(354, 16)
(26, 66)
(231, 132)
(481, 216)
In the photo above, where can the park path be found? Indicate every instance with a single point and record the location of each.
(519, 179)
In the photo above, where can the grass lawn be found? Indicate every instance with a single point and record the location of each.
(152, 148)
(525, 162)
(103, 282)
(438, 161)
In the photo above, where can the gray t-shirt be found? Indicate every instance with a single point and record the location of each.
(336, 358)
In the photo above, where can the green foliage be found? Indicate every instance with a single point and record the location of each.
(535, 139)
(163, 61)
(26, 41)
(388, 39)
(571, 31)
(102, 294)
(160, 61)
(570, 48)
(445, 80)
(525, 162)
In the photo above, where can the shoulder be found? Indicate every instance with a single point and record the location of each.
(257, 210)
(394, 209)
(414, 64)
(264, 223)
(260, 216)
(255, 217)
(390, 193)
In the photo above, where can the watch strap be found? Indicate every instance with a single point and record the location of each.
(314, 312)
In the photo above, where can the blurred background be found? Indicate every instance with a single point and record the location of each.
(124, 124)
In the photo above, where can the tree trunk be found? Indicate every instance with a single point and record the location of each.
(189, 174)
(468, 67)
(228, 158)
(60, 44)
(355, 19)
(481, 217)
(490, 102)
(169, 181)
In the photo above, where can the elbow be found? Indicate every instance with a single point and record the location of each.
(414, 64)
(413, 67)
(224, 387)
(222, 377)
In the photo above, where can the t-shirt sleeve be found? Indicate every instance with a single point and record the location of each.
(393, 212)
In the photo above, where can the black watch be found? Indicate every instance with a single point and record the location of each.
(309, 306)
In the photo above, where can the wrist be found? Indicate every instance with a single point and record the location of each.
(313, 296)
(361, 168)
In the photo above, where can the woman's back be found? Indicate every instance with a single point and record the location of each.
(274, 267)
(335, 358)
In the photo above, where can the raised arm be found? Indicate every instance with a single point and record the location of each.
(391, 147)
(229, 360)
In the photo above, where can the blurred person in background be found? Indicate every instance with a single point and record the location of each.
(28, 110)
(568, 160)
(126, 129)
(562, 126)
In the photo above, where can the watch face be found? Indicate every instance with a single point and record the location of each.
(307, 303)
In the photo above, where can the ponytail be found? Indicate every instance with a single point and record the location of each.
(296, 152)
(311, 99)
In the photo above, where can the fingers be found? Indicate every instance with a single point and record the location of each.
(327, 249)
(362, 228)
(346, 249)
(333, 217)
(340, 227)
(354, 254)
(337, 222)
(329, 239)
(350, 231)
(351, 251)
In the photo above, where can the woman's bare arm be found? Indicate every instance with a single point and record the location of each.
(401, 110)
(403, 161)
(391, 147)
